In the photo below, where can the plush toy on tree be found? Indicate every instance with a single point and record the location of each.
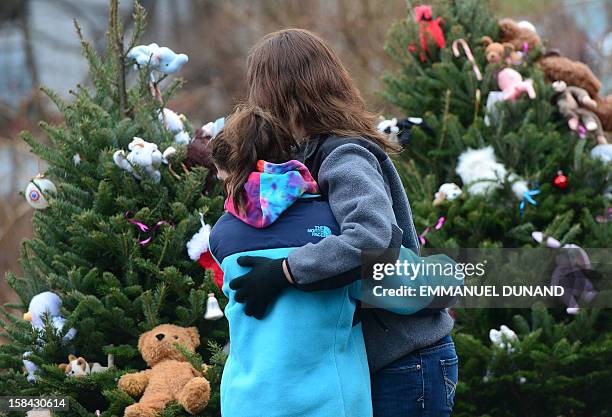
(174, 124)
(78, 367)
(482, 173)
(429, 30)
(170, 377)
(45, 308)
(513, 86)
(198, 251)
(145, 156)
(577, 106)
(496, 52)
(575, 73)
(520, 35)
(161, 59)
(198, 151)
(401, 130)
(447, 192)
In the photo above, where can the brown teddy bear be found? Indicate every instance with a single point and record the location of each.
(575, 73)
(496, 52)
(511, 32)
(560, 68)
(171, 377)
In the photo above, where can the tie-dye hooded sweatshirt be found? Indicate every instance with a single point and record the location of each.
(306, 357)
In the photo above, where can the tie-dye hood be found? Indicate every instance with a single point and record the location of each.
(271, 190)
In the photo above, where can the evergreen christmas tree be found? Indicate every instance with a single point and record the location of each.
(556, 363)
(111, 241)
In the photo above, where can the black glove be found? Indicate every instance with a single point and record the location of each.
(259, 287)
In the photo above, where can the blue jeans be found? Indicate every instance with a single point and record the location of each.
(421, 384)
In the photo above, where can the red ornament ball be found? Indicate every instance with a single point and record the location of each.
(560, 181)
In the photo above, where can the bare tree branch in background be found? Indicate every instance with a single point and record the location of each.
(36, 98)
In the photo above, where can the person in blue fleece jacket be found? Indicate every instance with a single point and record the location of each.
(307, 357)
(294, 75)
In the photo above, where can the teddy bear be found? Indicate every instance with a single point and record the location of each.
(77, 367)
(512, 85)
(496, 52)
(159, 58)
(144, 155)
(170, 376)
(575, 73)
(559, 68)
(518, 34)
(577, 107)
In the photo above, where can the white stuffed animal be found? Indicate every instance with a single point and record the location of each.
(77, 367)
(503, 338)
(447, 191)
(145, 155)
(481, 173)
(174, 124)
(388, 126)
(159, 58)
(212, 129)
(44, 304)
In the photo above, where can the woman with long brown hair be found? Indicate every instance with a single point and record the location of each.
(296, 77)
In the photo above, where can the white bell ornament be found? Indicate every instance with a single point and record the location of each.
(213, 311)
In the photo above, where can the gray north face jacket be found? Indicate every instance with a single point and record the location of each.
(368, 200)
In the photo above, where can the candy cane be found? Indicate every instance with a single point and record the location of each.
(468, 54)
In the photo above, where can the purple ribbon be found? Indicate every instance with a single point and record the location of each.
(437, 226)
(150, 231)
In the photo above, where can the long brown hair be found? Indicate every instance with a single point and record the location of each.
(249, 134)
(298, 78)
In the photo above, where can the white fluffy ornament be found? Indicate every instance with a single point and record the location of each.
(38, 190)
(174, 123)
(481, 173)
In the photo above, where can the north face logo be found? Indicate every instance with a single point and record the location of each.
(320, 231)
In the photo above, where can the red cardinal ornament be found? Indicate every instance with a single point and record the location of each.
(560, 181)
(429, 30)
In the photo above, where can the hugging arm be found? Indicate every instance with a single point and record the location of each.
(351, 178)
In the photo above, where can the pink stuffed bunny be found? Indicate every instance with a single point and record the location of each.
(512, 84)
